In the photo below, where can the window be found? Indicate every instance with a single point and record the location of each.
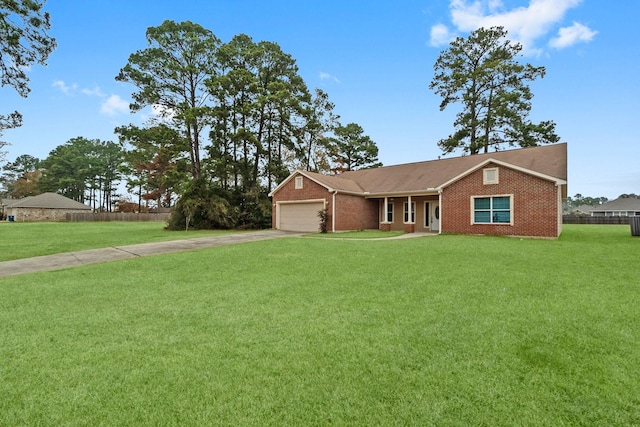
(426, 214)
(409, 217)
(491, 210)
(490, 176)
(298, 182)
(389, 212)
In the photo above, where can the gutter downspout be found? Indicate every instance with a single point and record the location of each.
(333, 211)
(440, 204)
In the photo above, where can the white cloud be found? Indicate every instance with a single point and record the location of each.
(440, 35)
(569, 36)
(162, 112)
(114, 105)
(327, 76)
(94, 92)
(525, 24)
(156, 113)
(63, 86)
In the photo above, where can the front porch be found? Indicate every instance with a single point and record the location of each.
(410, 213)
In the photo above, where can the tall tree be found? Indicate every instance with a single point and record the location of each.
(482, 73)
(83, 170)
(352, 150)
(170, 74)
(258, 97)
(280, 92)
(155, 162)
(20, 177)
(318, 120)
(235, 94)
(66, 170)
(23, 41)
(104, 159)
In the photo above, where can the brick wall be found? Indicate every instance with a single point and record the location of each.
(535, 204)
(40, 214)
(398, 213)
(310, 190)
(356, 213)
(352, 212)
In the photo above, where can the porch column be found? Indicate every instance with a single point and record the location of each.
(440, 207)
(333, 212)
(409, 226)
(385, 225)
(384, 209)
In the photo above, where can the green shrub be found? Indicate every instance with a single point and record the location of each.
(254, 210)
(202, 207)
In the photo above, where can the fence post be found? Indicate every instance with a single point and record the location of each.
(635, 225)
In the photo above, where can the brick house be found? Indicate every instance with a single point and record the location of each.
(43, 207)
(514, 192)
(622, 206)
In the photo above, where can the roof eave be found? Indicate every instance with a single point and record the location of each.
(557, 181)
(426, 192)
(290, 177)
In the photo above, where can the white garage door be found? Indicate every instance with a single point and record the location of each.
(300, 216)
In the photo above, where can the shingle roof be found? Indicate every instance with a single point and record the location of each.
(335, 182)
(547, 160)
(47, 200)
(619, 204)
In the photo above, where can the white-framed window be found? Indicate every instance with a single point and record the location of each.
(298, 184)
(427, 215)
(389, 212)
(490, 176)
(492, 210)
(409, 215)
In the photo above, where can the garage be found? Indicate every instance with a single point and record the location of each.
(299, 216)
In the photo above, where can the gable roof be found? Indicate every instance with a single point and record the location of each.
(546, 161)
(619, 204)
(330, 182)
(47, 200)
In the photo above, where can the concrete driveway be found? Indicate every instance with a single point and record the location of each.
(94, 256)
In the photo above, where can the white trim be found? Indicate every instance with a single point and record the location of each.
(294, 202)
(427, 214)
(439, 219)
(511, 215)
(557, 181)
(333, 212)
(485, 176)
(296, 173)
(393, 211)
(425, 192)
(407, 211)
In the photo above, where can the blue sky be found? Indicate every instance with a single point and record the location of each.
(374, 59)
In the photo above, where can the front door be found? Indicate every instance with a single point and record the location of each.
(435, 216)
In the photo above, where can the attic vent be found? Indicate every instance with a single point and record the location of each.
(490, 176)
(298, 184)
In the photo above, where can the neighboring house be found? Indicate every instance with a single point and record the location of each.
(514, 192)
(581, 210)
(622, 206)
(43, 207)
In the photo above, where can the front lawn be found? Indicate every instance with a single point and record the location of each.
(441, 330)
(28, 239)
(359, 234)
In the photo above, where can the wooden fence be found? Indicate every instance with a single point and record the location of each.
(116, 216)
(579, 219)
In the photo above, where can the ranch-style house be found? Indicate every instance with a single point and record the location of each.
(514, 192)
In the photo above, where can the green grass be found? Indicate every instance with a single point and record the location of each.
(28, 239)
(445, 330)
(360, 234)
